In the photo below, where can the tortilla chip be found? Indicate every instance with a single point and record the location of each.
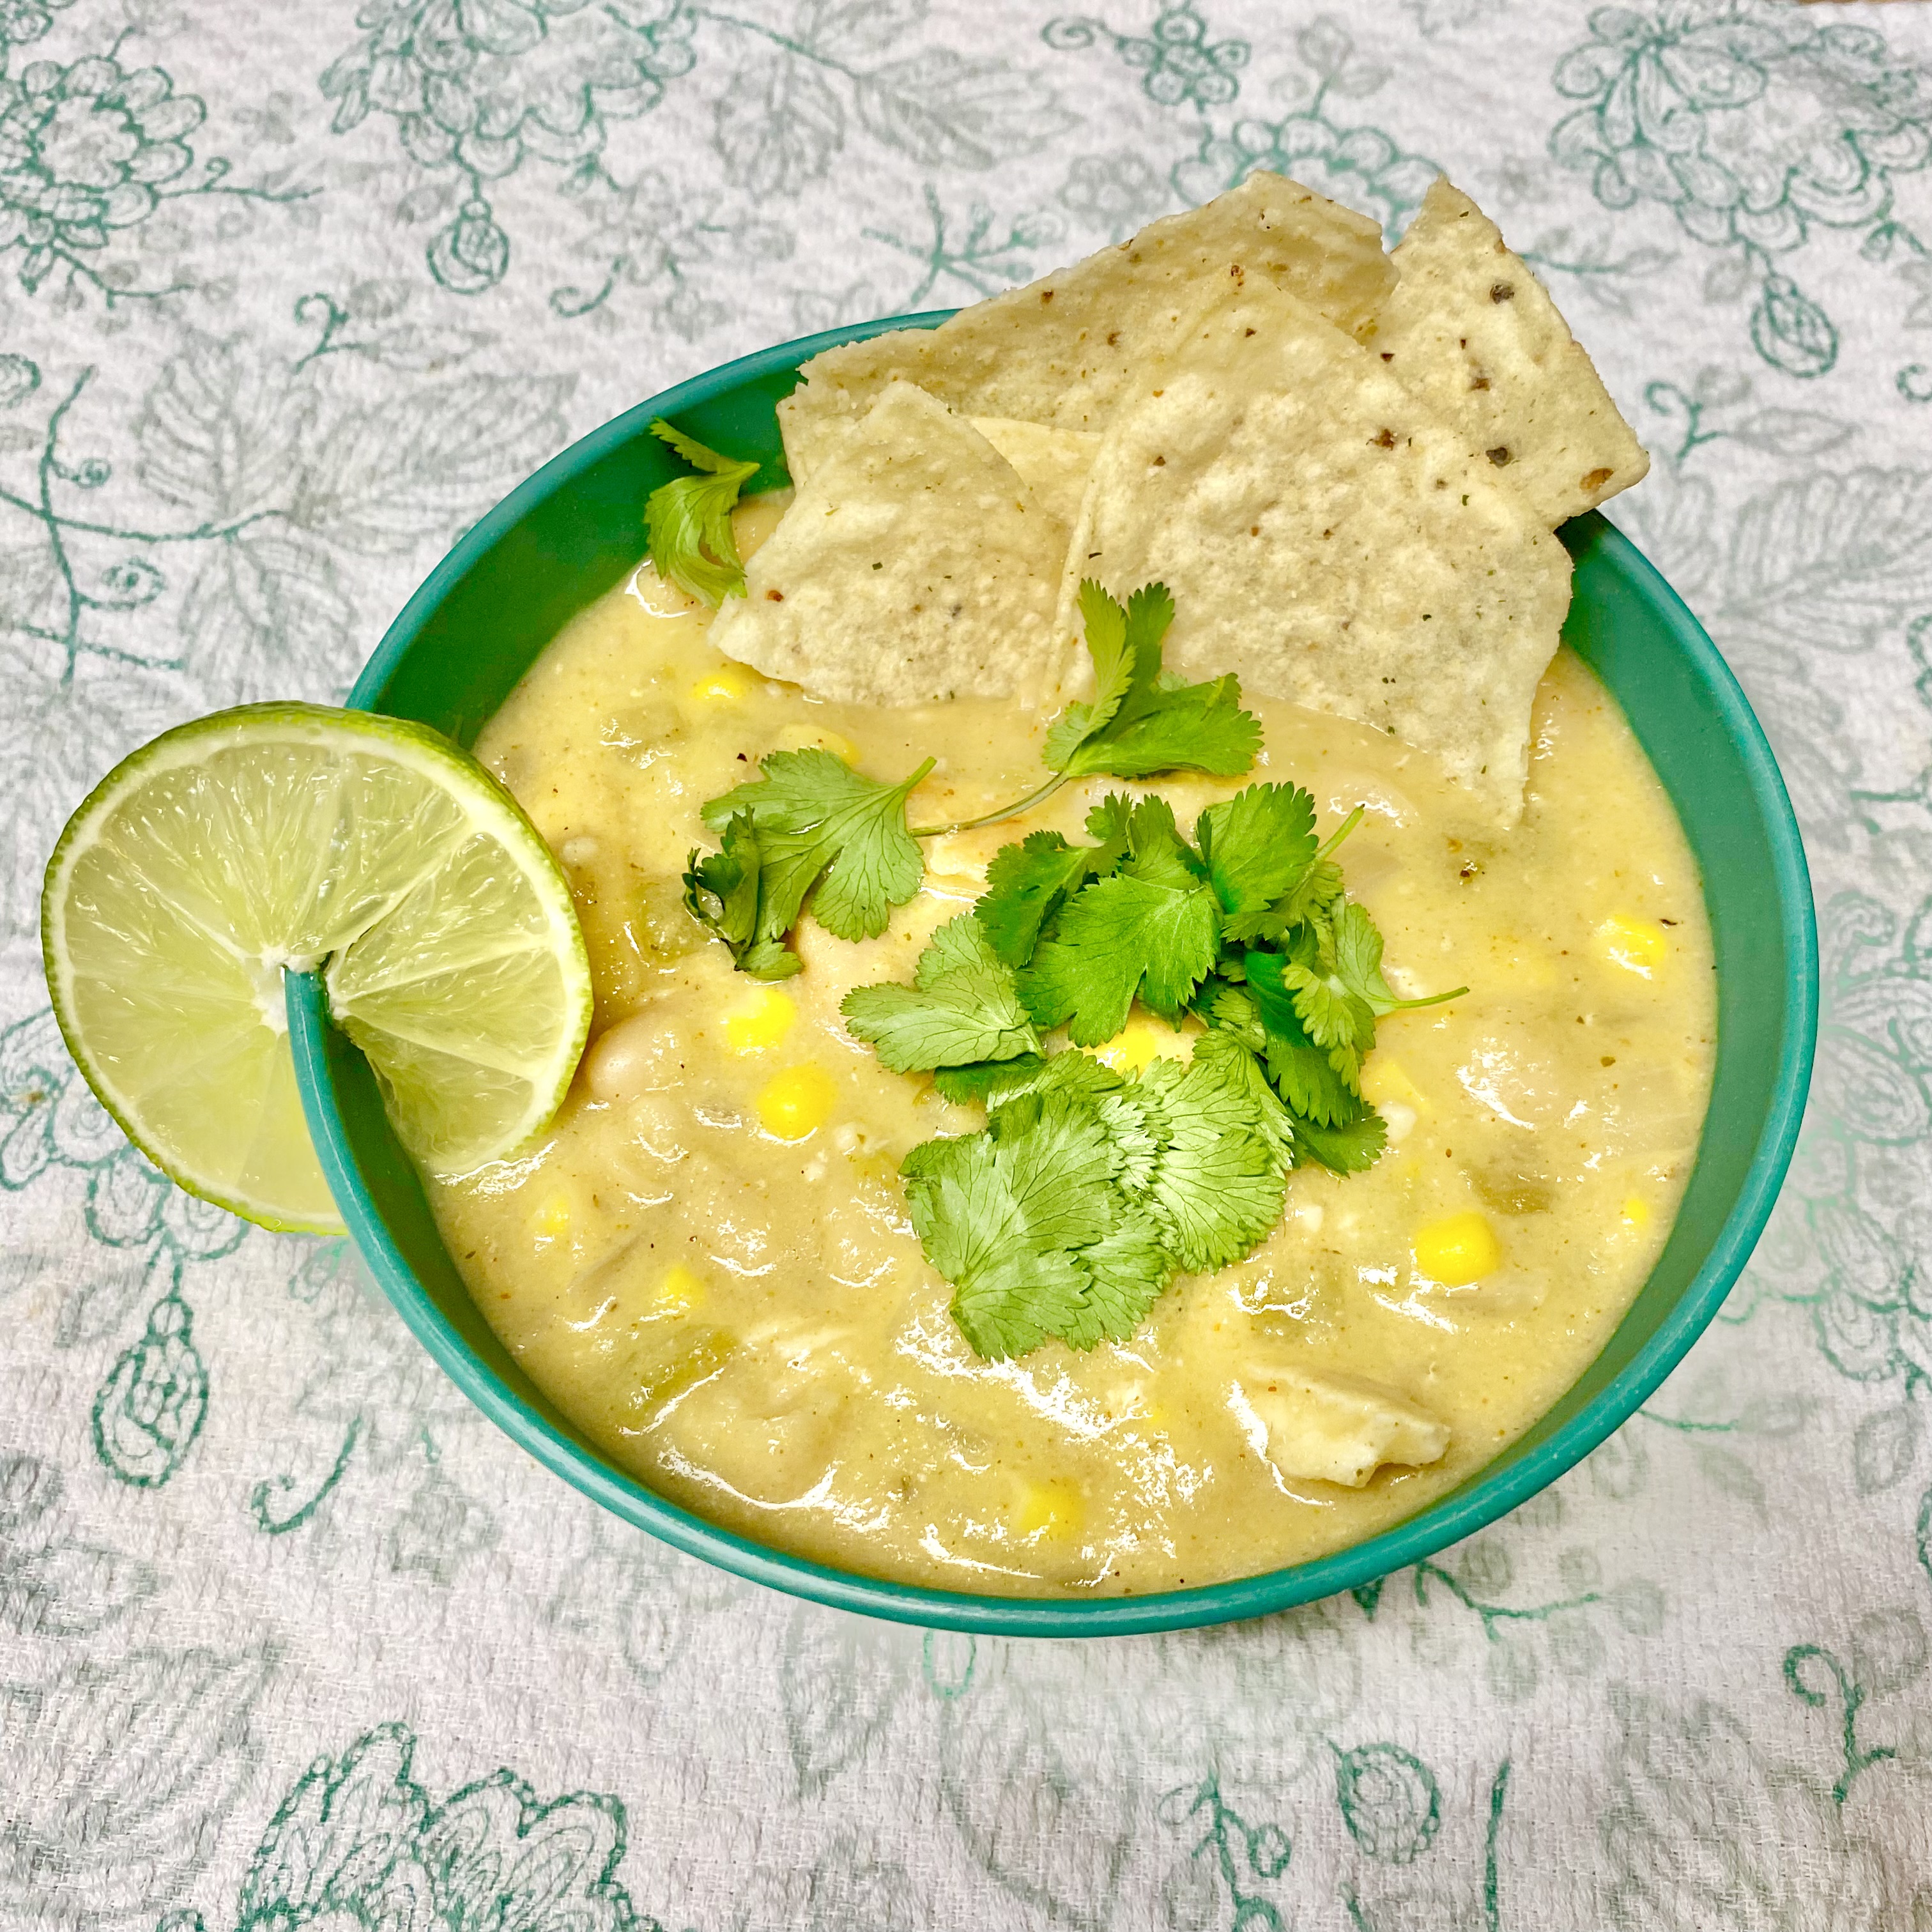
(811, 433)
(1327, 537)
(1052, 463)
(1470, 328)
(914, 566)
(1062, 350)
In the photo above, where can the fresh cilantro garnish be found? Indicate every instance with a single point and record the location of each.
(1004, 1215)
(1215, 1189)
(1307, 902)
(1248, 931)
(961, 1007)
(1087, 1193)
(1257, 846)
(1026, 883)
(1151, 931)
(1351, 1146)
(688, 521)
(1139, 722)
(987, 1081)
(1308, 1080)
(1335, 972)
(723, 893)
(819, 823)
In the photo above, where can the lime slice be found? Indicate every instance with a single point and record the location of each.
(294, 836)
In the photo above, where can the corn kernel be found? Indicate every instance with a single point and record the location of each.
(1053, 1510)
(1384, 1078)
(729, 684)
(1458, 1251)
(796, 1103)
(1634, 944)
(552, 1217)
(759, 1020)
(1139, 1044)
(1637, 1211)
(804, 737)
(679, 1292)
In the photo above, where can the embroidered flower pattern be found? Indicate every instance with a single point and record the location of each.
(23, 21)
(1180, 65)
(1753, 126)
(477, 86)
(83, 150)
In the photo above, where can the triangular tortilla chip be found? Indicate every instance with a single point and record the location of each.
(1052, 463)
(914, 566)
(1061, 350)
(1327, 537)
(1470, 328)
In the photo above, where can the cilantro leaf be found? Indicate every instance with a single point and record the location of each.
(721, 888)
(1069, 1215)
(1336, 1015)
(1257, 844)
(1231, 1008)
(1156, 850)
(995, 1082)
(1011, 1305)
(1156, 937)
(1003, 1215)
(988, 1081)
(1179, 727)
(1127, 1272)
(1116, 638)
(1305, 1074)
(1216, 1188)
(819, 823)
(1329, 1122)
(1110, 822)
(1309, 901)
(1236, 1092)
(1339, 991)
(1139, 722)
(1026, 883)
(687, 520)
(961, 1007)
(1348, 1146)
(723, 891)
(1358, 961)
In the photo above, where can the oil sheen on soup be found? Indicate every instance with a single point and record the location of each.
(707, 1263)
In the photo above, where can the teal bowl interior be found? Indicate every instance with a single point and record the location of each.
(569, 532)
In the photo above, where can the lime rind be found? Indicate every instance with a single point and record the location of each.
(292, 836)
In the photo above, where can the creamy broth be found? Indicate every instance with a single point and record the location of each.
(746, 1321)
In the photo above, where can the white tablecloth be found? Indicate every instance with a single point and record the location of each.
(288, 1636)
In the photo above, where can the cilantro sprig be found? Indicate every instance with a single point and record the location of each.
(961, 1007)
(817, 831)
(1087, 1193)
(687, 520)
(1142, 721)
(808, 826)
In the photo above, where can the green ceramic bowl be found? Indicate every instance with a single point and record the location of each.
(575, 527)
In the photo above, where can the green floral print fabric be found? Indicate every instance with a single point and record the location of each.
(289, 1638)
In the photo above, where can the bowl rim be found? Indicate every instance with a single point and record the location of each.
(1478, 1503)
